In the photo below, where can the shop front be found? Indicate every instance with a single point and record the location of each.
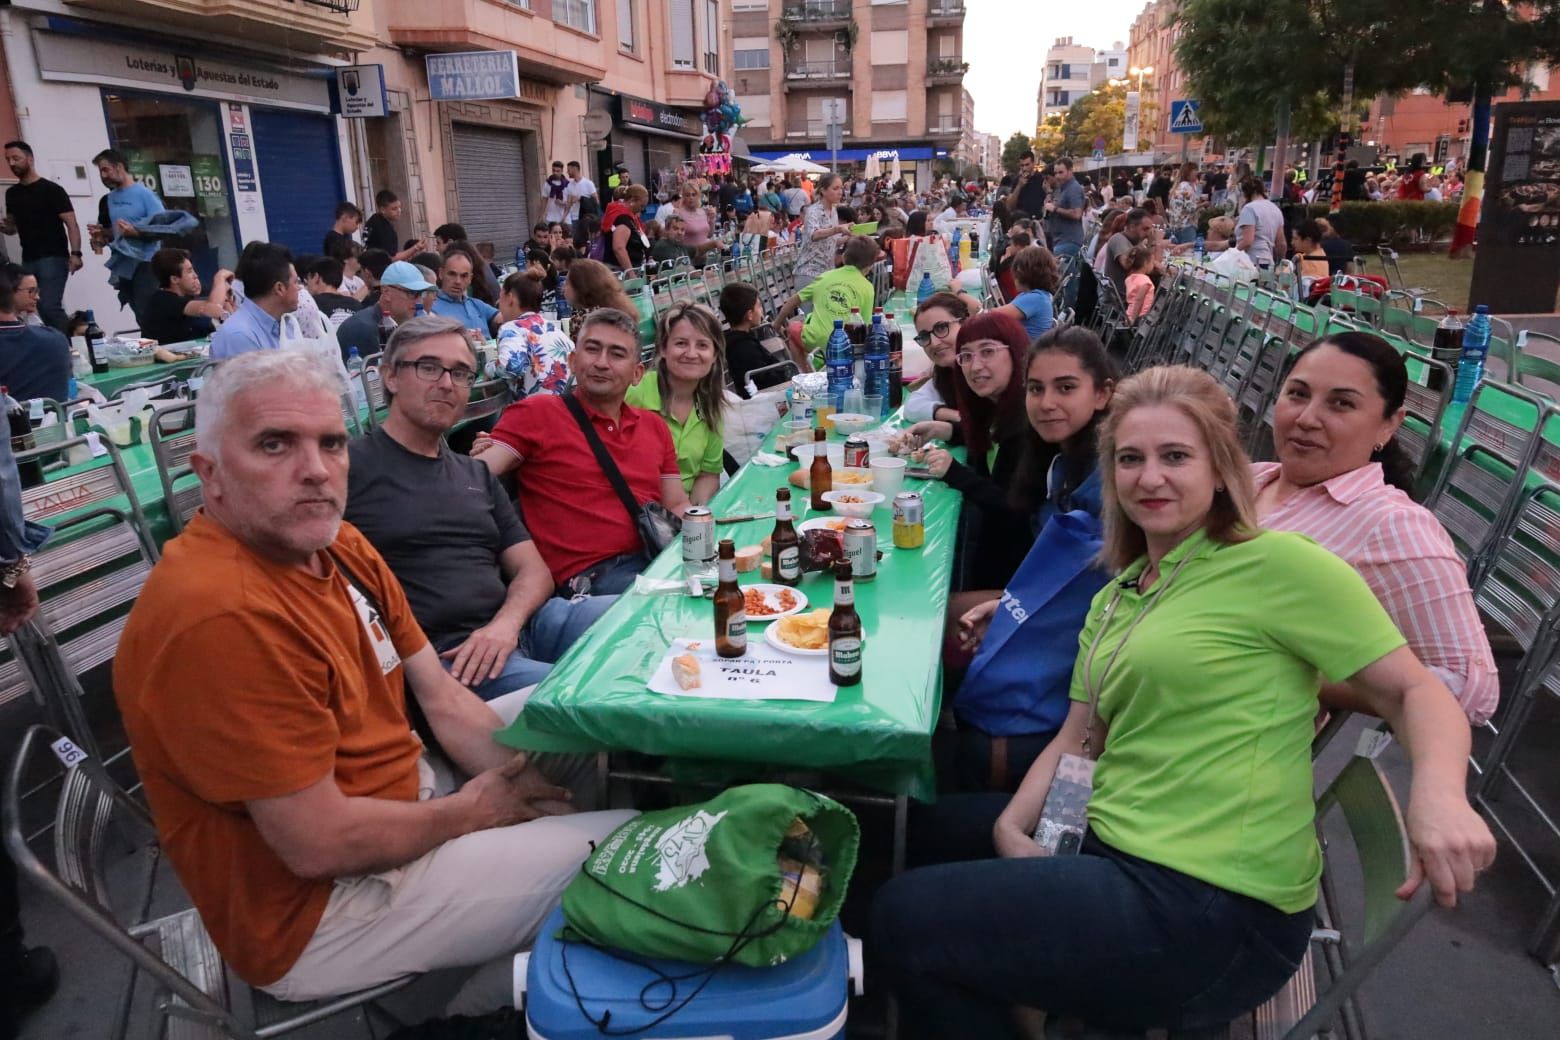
(245, 143)
(653, 140)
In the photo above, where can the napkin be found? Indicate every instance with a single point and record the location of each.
(769, 458)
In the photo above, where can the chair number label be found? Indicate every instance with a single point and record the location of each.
(68, 753)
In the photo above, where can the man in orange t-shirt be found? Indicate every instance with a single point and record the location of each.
(263, 680)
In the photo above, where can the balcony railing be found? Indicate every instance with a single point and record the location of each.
(814, 128)
(945, 128)
(942, 12)
(814, 12)
(818, 70)
(947, 69)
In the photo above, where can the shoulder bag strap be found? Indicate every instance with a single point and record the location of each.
(414, 712)
(603, 458)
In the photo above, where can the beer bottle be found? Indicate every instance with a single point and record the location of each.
(844, 630)
(784, 545)
(730, 609)
(820, 478)
(20, 427)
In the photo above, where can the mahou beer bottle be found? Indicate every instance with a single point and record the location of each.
(784, 544)
(820, 478)
(844, 630)
(730, 609)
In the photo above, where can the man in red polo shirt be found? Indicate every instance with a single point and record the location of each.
(580, 526)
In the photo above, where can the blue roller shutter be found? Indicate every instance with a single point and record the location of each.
(300, 175)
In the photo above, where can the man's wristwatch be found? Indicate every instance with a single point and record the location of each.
(11, 573)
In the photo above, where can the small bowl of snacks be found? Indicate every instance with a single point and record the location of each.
(847, 423)
(853, 502)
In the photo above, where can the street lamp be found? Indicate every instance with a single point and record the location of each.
(1146, 70)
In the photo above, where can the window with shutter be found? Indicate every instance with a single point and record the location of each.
(712, 37)
(625, 17)
(890, 106)
(683, 40)
(890, 46)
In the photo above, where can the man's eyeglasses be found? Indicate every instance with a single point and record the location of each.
(429, 371)
(986, 355)
(940, 330)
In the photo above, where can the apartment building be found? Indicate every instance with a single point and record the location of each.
(1151, 44)
(233, 111)
(1067, 76)
(1424, 122)
(895, 68)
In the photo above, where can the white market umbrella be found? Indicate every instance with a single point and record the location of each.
(894, 173)
(795, 163)
(874, 167)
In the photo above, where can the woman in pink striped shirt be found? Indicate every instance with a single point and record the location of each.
(1342, 479)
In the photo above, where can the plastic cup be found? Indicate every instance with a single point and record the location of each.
(872, 404)
(888, 476)
(852, 402)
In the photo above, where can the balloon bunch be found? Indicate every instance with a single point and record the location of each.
(721, 116)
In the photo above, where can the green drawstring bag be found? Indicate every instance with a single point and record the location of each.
(703, 883)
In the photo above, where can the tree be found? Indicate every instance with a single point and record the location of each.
(1016, 145)
(1099, 114)
(1048, 140)
(1245, 60)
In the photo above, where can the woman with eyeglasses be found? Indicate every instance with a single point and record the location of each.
(1188, 901)
(992, 427)
(686, 386)
(937, 321)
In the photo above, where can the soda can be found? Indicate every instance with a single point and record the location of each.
(861, 549)
(858, 453)
(909, 521)
(698, 541)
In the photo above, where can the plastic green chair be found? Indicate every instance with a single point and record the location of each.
(1484, 475)
(1529, 367)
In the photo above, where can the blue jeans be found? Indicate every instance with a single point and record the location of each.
(52, 273)
(1182, 235)
(545, 638)
(607, 578)
(1111, 938)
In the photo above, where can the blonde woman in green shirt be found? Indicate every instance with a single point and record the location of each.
(1189, 901)
(686, 386)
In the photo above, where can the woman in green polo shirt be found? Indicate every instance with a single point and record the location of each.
(1189, 901)
(686, 385)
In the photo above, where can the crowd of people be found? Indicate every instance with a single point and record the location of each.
(1130, 590)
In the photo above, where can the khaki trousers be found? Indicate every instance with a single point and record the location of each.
(471, 901)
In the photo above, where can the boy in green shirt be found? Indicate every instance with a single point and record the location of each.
(833, 295)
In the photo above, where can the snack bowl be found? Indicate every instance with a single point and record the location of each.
(859, 503)
(847, 423)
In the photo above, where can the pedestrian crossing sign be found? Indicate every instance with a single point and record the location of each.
(1185, 117)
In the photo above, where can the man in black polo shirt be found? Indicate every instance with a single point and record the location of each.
(34, 359)
(1029, 191)
(39, 212)
(348, 219)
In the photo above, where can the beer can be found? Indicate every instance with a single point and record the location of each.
(698, 540)
(909, 521)
(861, 549)
(858, 454)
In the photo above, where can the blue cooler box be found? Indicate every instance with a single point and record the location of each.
(802, 999)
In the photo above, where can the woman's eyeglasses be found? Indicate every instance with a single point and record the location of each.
(429, 371)
(986, 355)
(940, 330)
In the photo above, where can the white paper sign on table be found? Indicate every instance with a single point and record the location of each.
(763, 674)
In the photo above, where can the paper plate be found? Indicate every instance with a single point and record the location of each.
(827, 523)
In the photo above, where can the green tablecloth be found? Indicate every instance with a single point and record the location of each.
(877, 733)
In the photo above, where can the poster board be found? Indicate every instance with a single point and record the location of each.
(1517, 270)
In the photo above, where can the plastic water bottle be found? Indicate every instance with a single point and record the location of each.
(564, 310)
(953, 249)
(736, 248)
(876, 381)
(1200, 248)
(355, 377)
(839, 361)
(1475, 349)
(925, 289)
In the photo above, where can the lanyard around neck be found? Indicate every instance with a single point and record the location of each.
(1094, 686)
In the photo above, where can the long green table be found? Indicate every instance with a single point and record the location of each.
(877, 733)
